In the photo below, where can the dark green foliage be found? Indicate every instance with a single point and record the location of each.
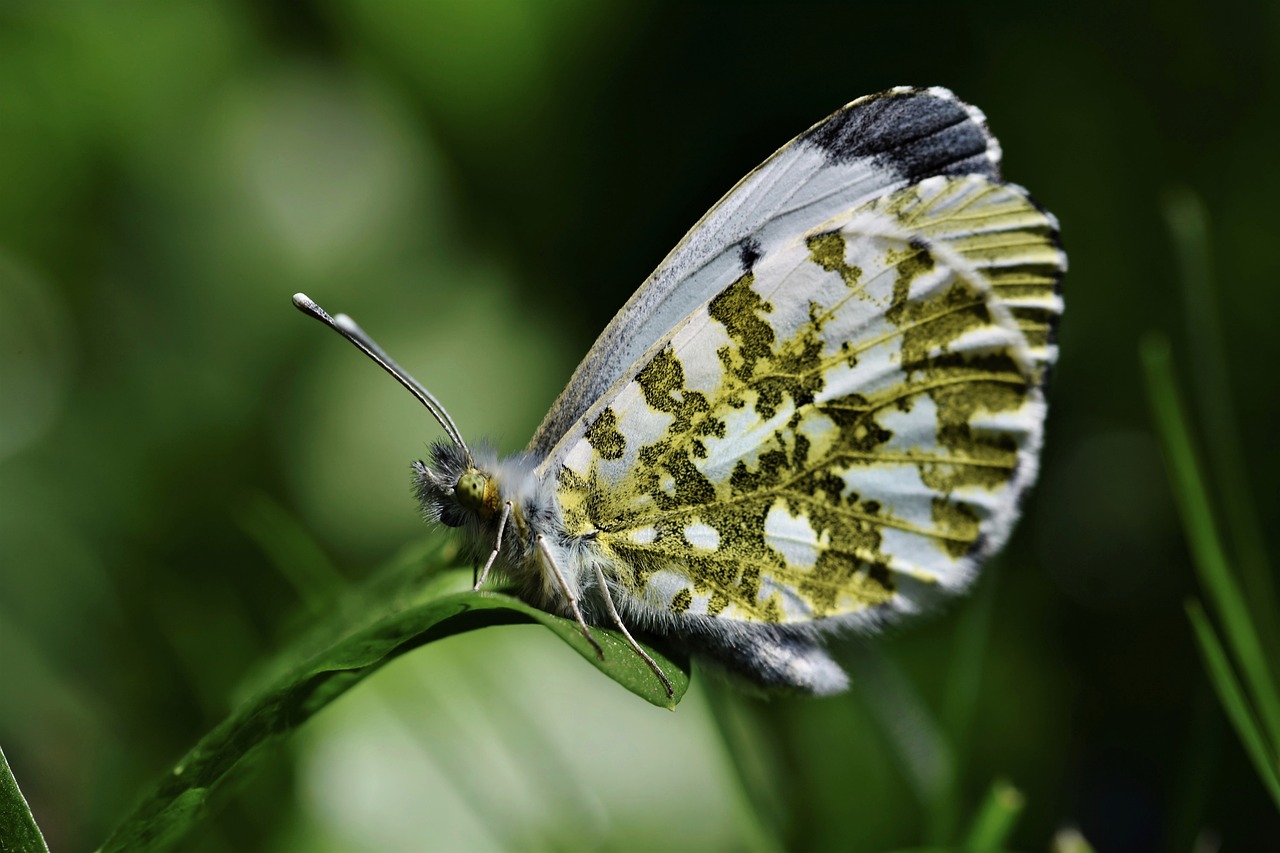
(1237, 581)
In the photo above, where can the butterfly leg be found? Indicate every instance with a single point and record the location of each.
(497, 546)
(617, 620)
(568, 594)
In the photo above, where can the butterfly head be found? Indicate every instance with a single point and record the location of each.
(452, 489)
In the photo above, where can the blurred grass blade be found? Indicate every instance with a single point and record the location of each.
(1189, 228)
(1202, 535)
(339, 653)
(968, 652)
(1234, 702)
(996, 818)
(292, 550)
(536, 756)
(18, 830)
(747, 747)
(923, 753)
(960, 702)
(1070, 840)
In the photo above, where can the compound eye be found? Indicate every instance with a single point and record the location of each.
(470, 490)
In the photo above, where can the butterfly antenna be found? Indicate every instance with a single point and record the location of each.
(345, 326)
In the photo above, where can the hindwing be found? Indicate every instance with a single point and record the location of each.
(848, 424)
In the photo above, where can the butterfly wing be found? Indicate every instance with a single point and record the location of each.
(844, 428)
(873, 146)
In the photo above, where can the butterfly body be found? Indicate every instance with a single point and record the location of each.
(502, 481)
(820, 413)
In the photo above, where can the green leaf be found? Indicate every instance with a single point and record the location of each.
(18, 830)
(1234, 702)
(395, 613)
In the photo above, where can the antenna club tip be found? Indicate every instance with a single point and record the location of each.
(302, 300)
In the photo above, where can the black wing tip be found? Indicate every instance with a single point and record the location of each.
(918, 132)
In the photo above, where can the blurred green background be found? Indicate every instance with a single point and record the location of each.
(482, 184)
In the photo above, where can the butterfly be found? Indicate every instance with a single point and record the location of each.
(819, 414)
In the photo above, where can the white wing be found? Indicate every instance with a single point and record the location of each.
(873, 146)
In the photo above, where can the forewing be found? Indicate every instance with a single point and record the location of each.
(875, 145)
(843, 430)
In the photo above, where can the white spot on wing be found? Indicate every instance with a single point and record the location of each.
(897, 488)
(794, 607)
(923, 554)
(820, 430)
(698, 606)
(693, 343)
(908, 502)
(578, 460)
(915, 429)
(746, 437)
(876, 370)
(662, 588)
(793, 536)
(644, 535)
(703, 536)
